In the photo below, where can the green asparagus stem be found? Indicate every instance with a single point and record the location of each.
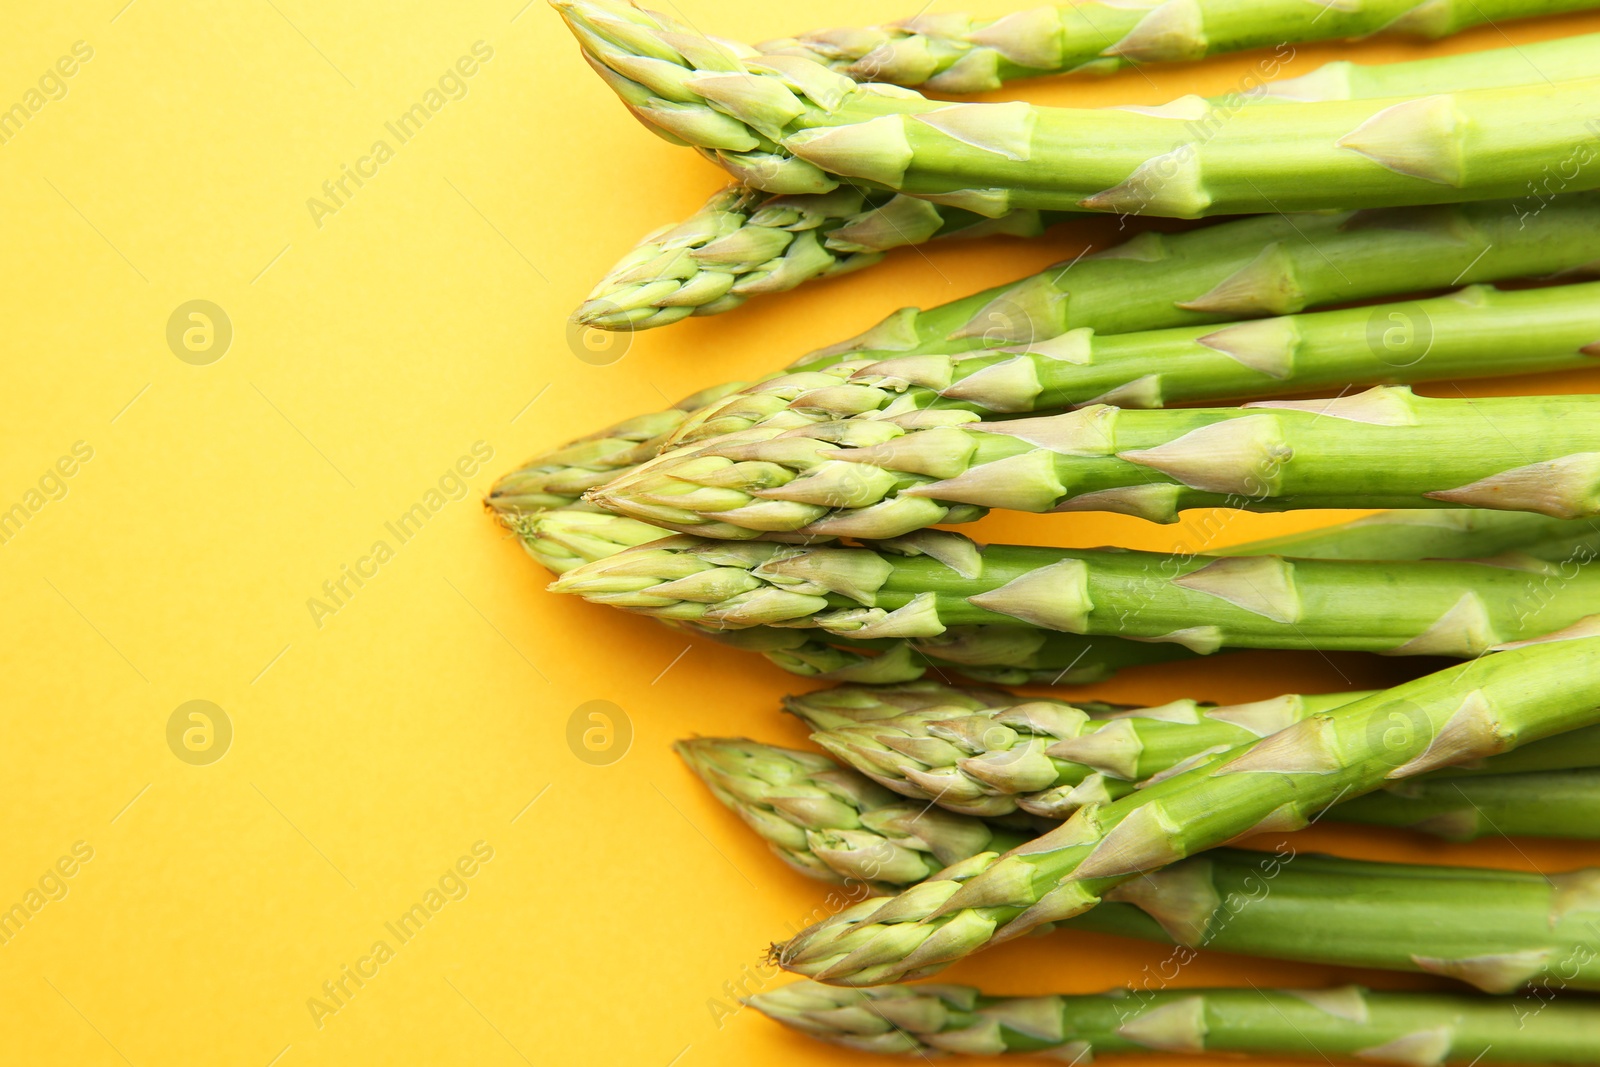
(1497, 930)
(743, 243)
(1382, 448)
(1428, 607)
(1565, 804)
(1404, 1029)
(1246, 269)
(957, 53)
(1464, 534)
(787, 125)
(1494, 704)
(1476, 332)
(1050, 758)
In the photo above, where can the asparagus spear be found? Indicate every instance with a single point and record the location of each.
(1049, 758)
(1564, 804)
(564, 538)
(787, 125)
(1382, 448)
(1045, 757)
(957, 53)
(1405, 1029)
(743, 243)
(1475, 332)
(560, 539)
(1496, 930)
(1494, 704)
(1429, 607)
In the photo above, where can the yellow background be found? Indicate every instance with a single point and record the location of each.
(430, 712)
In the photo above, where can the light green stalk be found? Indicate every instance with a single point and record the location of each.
(1050, 758)
(874, 478)
(743, 243)
(957, 53)
(1494, 704)
(1496, 930)
(1564, 804)
(922, 585)
(787, 125)
(1404, 1029)
(1476, 332)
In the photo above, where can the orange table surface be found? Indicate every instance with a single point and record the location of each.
(375, 363)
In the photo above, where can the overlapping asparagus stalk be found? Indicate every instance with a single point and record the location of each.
(955, 53)
(1476, 332)
(784, 124)
(1245, 269)
(1496, 930)
(1404, 1029)
(992, 754)
(745, 243)
(1385, 447)
(1494, 704)
(922, 585)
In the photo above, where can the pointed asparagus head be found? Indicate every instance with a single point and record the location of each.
(748, 111)
(830, 822)
(693, 580)
(566, 538)
(556, 479)
(740, 244)
(889, 1019)
(856, 477)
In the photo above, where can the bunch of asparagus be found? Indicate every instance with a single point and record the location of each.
(1403, 224)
